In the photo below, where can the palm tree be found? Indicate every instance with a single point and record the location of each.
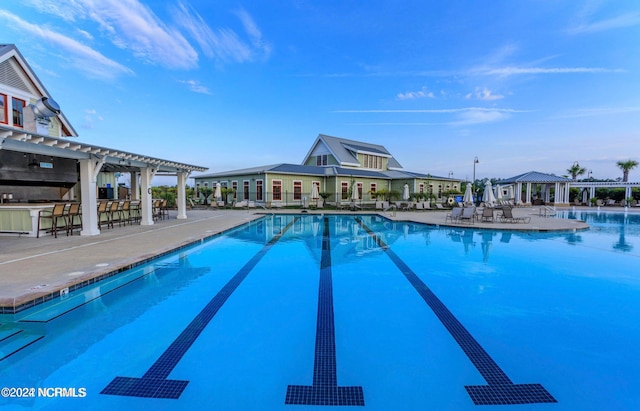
(626, 166)
(575, 170)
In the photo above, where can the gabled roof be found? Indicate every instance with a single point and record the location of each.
(10, 51)
(345, 151)
(535, 177)
(297, 169)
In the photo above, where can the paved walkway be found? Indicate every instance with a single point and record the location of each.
(36, 268)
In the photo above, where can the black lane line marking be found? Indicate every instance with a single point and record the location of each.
(325, 389)
(500, 389)
(154, 383)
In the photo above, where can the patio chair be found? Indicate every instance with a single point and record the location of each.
(487, 215)
(103, 210)
(124, 213)
(508, 217)
(75, 217)
(113, 212)
(468, 215)
(134, 212)
(56, 215)
(454, 215)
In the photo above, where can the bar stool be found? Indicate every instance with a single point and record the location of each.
(55, 215)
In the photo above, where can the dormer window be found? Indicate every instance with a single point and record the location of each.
(372, 162)
(322, 160)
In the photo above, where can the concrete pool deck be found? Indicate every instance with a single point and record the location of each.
(36, 269)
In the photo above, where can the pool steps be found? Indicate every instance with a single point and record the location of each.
(13, 339)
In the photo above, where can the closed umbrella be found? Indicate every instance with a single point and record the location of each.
(314, 192)
(488, 196)
(468, 195)
(354, 194)
(405, 193)
(218, 192)
(498, 192)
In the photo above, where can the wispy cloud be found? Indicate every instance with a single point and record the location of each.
(129, 25)
(599, 111)
(223, 44)
(618, 22)
(84, 58)
(461, 116)
(412, 95)
(512, 71)
(91, 115)
(195, 86)
(484, 94)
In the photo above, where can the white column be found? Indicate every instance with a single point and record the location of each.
(627, 192)
(567, 186)
(528, 199)
(145, 198)
(181, 199)
(88, 196)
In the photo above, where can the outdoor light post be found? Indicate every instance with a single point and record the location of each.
(473, 183)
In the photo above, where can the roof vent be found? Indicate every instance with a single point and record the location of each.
(45, 108)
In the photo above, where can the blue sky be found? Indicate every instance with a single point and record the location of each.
(523, 85)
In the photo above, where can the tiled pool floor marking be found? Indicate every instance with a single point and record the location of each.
(154, 382)
(500, 389)
(325, 389)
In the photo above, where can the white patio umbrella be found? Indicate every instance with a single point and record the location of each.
(354, 194)
(498, 192)
(405, 193)
(217, 194)
(488, 196)
(314, 192)
(468, 195)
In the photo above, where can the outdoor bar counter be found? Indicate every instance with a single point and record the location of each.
(22, 218)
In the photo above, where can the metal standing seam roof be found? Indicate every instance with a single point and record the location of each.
(535, 177)
(343, 150)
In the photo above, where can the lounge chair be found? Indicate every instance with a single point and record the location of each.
(508, 217)
(487, 215)
(454, 215)
(468, 215)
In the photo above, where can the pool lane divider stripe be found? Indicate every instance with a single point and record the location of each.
(325, 389)
(154, 383)
(500, 389)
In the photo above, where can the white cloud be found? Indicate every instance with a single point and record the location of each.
(511, 71)
(600, 111)
(461, 116)
(411, 95)
(484, 94)
(621, 21)
(129, 25)
(91, 115)
(84, 58)
(223, 44)
(195, 86)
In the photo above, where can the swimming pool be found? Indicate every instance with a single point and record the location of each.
(309, 312)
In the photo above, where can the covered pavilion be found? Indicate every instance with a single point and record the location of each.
(537, 188)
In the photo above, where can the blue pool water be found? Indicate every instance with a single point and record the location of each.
(329, 312)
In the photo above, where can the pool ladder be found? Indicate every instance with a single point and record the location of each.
(546, 211)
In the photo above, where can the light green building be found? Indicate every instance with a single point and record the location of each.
(336, 167)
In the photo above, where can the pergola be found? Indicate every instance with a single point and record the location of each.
(539, 185)
(92, 159)
(592, 185)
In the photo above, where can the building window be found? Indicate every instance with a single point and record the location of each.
(259, 190)
(276, 187)
(372, 162)
(372, 189)
(3, 108)
(297, 190)
(245, 186)
(421, 187)
(197, 189)
(439, 190)
(359, 188)
(345, 190)
(234, 187)
(18, 108)
(322, 160)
